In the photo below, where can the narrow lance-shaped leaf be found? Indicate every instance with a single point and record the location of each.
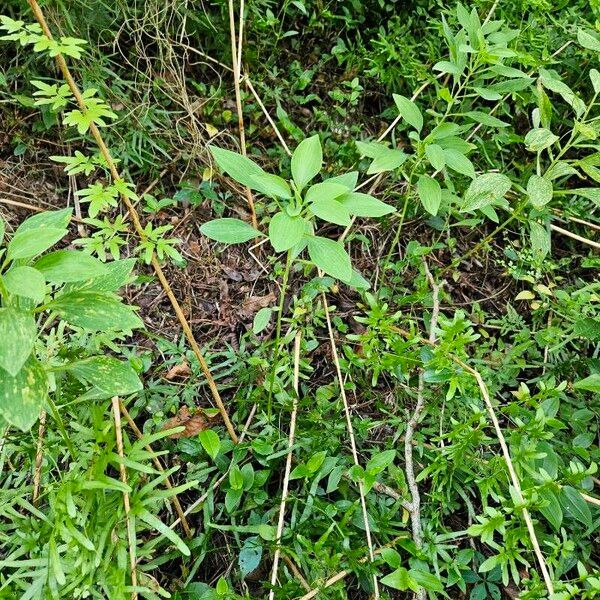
(229, 231)
(307, 160)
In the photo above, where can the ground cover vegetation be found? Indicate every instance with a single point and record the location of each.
(299, 299)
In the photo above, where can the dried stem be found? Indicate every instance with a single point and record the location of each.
(39, 457)
(62, 65)
(361, 489)
(288, 464)
(160, 467)
(236, 57)
(123, 474)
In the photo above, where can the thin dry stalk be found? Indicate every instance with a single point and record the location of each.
(574, 236)
(39, 458)
(238, 97)
(411, 427)
(175, 500)
(288, 465)
(361, 489)
(123, 474)
(62, 64)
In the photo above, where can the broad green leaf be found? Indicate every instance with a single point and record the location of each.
(241, 168)
(210, 442)
(409, 111)
(326, 190)
(165, 530)
(485, 119)
(595, 79)
(400, 579)
(261, 319)
(54, 219)
(65, 266)
(587, 40)
(229, 231)
(348, 180)
(435, 155)
(250, 556)
(430, 194)
(539, 139)
(26, 282)
(108, 375)
(96, 311)
(485, 190)
(31, 242)
(427, 580)
(330, 257)
(384, 158)
(552, 511)
(539, 190)
(23, 396)
(271, 185)
(358, 281)
(307, 160)
(380, 461)
(458, 162)
(575, 506)
(487, 94)
(17, 334)
(539, 236)
(117, 274)
(331, 211)
(364, 205)
(589, 384)
(285, 231)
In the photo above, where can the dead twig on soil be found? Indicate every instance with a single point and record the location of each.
(62, 65)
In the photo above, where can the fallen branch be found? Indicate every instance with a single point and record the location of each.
(62, 65)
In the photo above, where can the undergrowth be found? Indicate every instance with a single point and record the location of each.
(304, 309)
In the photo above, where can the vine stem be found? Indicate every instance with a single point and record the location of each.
(288, 464)
(123, 474)
(62, 65)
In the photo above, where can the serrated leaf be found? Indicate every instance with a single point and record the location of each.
(26, 282)
(18, 332)
(364, 205)
(331, 211)
(409, 111)
(23, 396)
(588, 328)
(285, 231)
(539, 190)
(96, 311)
(65, 266)
(430, 194)
(331, 257)
(229, 231)
(307, 160)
